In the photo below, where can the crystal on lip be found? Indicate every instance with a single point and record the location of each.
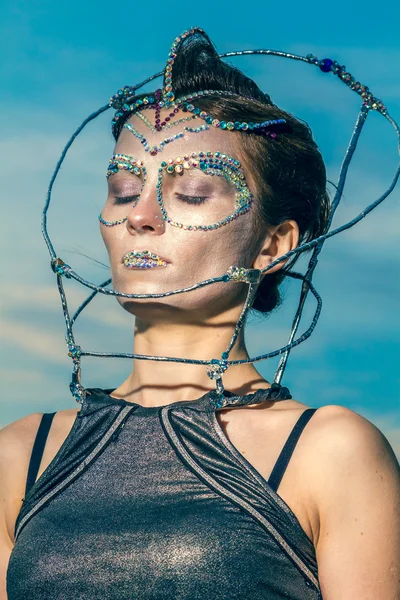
(143, 259)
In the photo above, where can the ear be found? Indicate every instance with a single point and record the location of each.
(278, 241)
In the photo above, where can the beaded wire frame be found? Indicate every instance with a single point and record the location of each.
(126, 100)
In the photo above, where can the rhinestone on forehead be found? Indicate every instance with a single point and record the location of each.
(184, 104)
(167, 123)
(155, 149)
(125, 101)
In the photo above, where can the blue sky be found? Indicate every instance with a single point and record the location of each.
(61, 61)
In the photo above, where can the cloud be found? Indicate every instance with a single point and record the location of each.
(381, 224)
(46, 298)
(33, 339)
(8, 376)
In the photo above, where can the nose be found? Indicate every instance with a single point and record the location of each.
(145, 215)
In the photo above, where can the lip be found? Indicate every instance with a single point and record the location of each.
(143, 259)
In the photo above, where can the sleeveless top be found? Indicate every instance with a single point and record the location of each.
(155, 503)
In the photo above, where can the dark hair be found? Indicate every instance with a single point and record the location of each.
(288, 171)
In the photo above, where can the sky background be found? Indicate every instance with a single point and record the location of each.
(62, 61)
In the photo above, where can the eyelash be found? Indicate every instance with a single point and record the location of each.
(192, 199)
(120, 200)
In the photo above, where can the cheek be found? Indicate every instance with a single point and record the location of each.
(112, 238)
(214, 252)
(104, 236)
(107, 236)
(239, 240)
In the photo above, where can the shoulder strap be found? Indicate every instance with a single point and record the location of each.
(38, 448)
(287, 450)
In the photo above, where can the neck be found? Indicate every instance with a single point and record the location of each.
(156, 383)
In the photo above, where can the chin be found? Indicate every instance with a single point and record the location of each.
(157, 310)
(148, 281)
(195, 308)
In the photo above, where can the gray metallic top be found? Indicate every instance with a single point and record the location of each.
(156, 503)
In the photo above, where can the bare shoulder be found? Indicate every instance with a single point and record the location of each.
(356, 479)
(339, 438)
(342, 435)
(17, 438)
(16, 443)
(346, 452)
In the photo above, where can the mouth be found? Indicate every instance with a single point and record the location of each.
(143, 259)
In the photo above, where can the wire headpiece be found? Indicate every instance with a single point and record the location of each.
(127, 102)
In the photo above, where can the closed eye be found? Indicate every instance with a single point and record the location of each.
(192, 199)
(120, 200)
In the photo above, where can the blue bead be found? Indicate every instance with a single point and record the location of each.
(237, 125)
(326, 65)
(222, 125)
(208, 120)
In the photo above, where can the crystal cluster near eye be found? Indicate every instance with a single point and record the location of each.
(214, 164)
(126, 163)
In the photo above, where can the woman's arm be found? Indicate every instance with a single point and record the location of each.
(358, 549)
(16, 441)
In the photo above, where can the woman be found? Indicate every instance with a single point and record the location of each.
(151, 490)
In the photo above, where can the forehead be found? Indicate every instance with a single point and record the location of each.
(212, 140)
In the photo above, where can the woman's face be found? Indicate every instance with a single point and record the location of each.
(150, 255)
